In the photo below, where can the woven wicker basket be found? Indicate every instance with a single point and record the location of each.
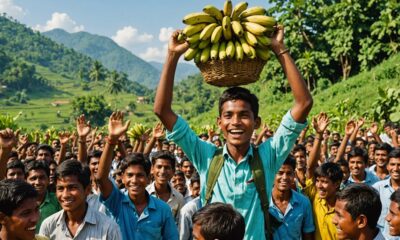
(226, 73)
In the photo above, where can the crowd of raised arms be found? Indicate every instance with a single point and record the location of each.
(299, 181)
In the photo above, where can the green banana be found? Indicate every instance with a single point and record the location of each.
(200, 17)
(245, 46)
(253, 53)
(207, 31)
(237, 28)
(226, 27)
(228, 8)
(190, 30)
(222, 51)
(203, 44)
(180, 37)
(263, 40)
(197, 57)
(194, 38)
(263, 53)
(205, 54)
(190, 53)
(250, 38)
(214, 51)
(238, 9)
(230, 49)
(253, 11)
(238, 51)
(213, 11)
(263, 20)
(216, 34)
(254, 28)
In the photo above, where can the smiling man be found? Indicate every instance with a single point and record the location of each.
(238, 118)
(357, 211)
(358, 160)
(77, 220)
(393, 216)
(19, 211)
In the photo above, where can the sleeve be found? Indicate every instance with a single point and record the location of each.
(308, 221)
(169, 230)
(310, 190)
(197, 150)
(184, 225)
(281, 143)
(114, 232)
(45, 228)
(113, 202)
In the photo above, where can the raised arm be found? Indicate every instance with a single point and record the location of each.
(350, 127)
(7, 142)
(374, 131)
(158, 132)
(302, 97)
(116, 128)
(64, 138)
(83, 128)
(163, 99)
(320, 123)
(261, 134)
(393, 135)
(359, 124)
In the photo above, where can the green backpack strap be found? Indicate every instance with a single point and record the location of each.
(213, 172)
(259, 180)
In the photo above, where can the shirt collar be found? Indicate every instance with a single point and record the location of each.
(249, 154)
(150, 201)
(89, 217)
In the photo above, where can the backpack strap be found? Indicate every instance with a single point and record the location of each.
(213, 173)
(259, 180)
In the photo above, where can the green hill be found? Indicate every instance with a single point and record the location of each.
(109, 54)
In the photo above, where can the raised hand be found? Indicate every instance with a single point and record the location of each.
(350, 127)
(23, 140)
(158, 131)
(374, 128)
(360, 122)
(116, 126)
(82, 126)
(7, 139)
(277, 43)
(175, 46)
(64, 137)
(320, 122)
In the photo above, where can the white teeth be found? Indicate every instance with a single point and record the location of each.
(32, 228)
(236, 131)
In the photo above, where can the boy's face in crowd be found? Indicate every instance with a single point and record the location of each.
(179, 183)
(346, 173)
(187, 169)
(347, 149)
(357, 166)
(336, 137)
(347, 228)
(39, 180)
(162, 171)
(15, 173)
(360, 144)
(284, 179)
(237, 122)
(393, 219)
(326, 188)
(71, 194)
(135, 179)
(381, 158)
(301, 159)
(94, 166)
(195, 189)
(43, 154)
(22, 223)
(334, 150)
(394, 168)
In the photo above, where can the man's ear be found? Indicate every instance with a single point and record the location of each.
(362, 221)
(257, 122)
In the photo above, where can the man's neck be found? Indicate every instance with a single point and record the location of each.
(381, 170)
(238, 152)
(281, 196)
(368, 234)
(394, 183)
(331, 200)
(162, 188)
(359, 178)
(77, 216)
(41, 197)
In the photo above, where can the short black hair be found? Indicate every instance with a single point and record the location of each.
(94, 154)
(384, 147)
(16, 164)
(37, 165)
(395, 153)
(195, 178)
(220, 221)
(201, 135)
(334, 144)
(329, 170)
(290, 161)
(358, 152)
(74, 168)
(45, 147)
(239, 93)
(179, 173)
(163, 155)
(13, 193)
(298, 148)
(395, 197)
(184, 159)
(360, 139)
(343, 163)
(136, 159)
(361, 199)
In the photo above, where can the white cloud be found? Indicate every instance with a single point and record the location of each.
(155, 54)
(11, 9)
(165, 33)
(128, 37)
(60, 20)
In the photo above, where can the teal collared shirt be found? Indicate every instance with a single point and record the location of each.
(235, 183)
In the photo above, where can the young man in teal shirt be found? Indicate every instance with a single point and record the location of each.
(238, 118)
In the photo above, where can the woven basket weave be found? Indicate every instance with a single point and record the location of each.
(226, 73)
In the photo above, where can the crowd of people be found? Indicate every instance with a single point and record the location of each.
(286, 183)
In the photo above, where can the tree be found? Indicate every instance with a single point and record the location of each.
(97, 72)
(94, 108)
(115, 83)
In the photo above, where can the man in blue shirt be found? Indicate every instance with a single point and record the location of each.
(358, 160)
(291, 210)
(139, 215)
(238, 118)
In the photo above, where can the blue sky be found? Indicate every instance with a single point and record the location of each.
(141, 26)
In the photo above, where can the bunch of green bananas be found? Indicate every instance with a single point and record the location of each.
(137, 131)
(232, 33)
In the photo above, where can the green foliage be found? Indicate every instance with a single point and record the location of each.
(7, 121)
(386, 107)
(97, 72)
(94, 108)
